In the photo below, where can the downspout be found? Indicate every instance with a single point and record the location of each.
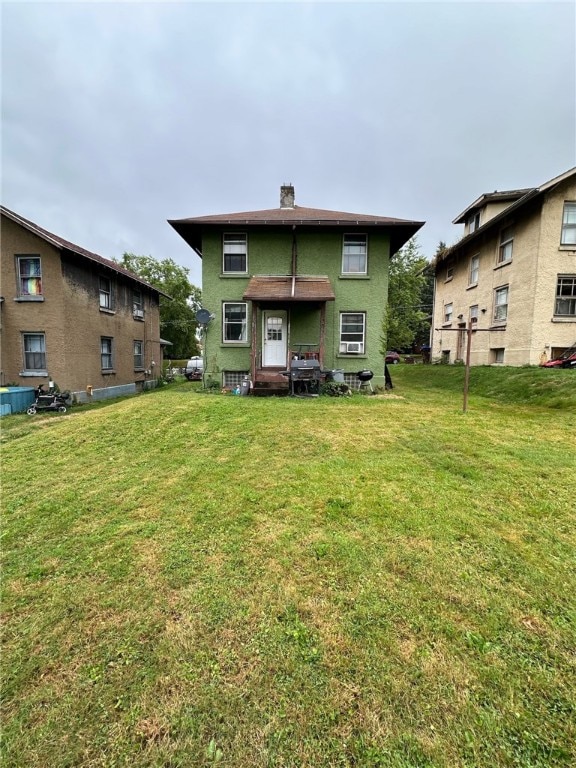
(294, 260)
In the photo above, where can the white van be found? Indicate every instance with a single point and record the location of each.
(194, 369)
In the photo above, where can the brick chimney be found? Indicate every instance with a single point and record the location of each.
(287, 196)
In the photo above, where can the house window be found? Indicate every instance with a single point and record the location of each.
(569, 224)
(34, 351)
(352, 332)
(105, 293)
(506, 243)
(501, 304)
(235, 257)
(474, 313)
(29, 276)
(235, 322)
(449, 273)
(448, 309)
(474, 269)
(354, 252)
(497, 354)
(565, 296)
(106, 353)
(138, 354)
(137, 305)
(473, 222)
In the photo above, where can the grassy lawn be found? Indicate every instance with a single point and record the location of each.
(199, 580)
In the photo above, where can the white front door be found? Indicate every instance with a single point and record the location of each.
(274, 339)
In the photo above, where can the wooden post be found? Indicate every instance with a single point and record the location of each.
(322, 332)
(467, 368)
(469, 328)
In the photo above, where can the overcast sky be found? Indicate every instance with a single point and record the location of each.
(117, 116)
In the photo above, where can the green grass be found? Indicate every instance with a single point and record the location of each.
(198, 580)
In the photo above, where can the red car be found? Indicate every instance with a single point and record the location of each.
(392, 357)
(566, 360)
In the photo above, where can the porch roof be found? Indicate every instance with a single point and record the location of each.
(289, 288)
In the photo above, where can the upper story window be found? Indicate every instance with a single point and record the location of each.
(505, 247)
(449, 273)
(137, 304)
(501, 304)
(354, 255)
(474, 313)
(352, 332)
(473, 222)
(105, 287)
(235, 322)
(448, 310)
(565, 296)
(106, 353)
(569, 225)
(235, 253)
(29, 276)
(34, 351)
(474, 270)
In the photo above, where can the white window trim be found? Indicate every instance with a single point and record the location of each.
(343, 345)
(566, 226)
(472, 282)
(243, 340)
(32, 371)
(473, 222)
(108, 354)
(344, 254)
(109, 307)
(448, 321)
(500, 289)
(503, 245)
(238, 235)
(137, 304)
(141, 355)
(558, 315)
(29, 296)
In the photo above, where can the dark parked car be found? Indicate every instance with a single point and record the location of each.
(392, 357)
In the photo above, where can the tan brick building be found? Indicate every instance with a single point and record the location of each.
(512, 273)
(72, 316)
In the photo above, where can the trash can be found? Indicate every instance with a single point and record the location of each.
(245, 387)
(336, 375)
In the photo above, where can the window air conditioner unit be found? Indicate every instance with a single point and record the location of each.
(354, 346)
(139, 313)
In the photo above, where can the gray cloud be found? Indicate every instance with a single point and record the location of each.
(118, 116)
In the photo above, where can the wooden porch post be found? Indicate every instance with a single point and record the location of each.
(322, 332)
(254, 341)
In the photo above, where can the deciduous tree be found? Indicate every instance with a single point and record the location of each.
(177, 314)
(407, 311)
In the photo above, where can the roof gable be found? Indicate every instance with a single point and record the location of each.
(66, 245)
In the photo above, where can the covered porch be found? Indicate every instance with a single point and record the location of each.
(288, 324)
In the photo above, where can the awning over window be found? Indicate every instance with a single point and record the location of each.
(299, 288)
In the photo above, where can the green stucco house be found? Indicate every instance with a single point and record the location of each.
(293, 282)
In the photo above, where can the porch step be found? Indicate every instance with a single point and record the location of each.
(271, 375)
(269, 381)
